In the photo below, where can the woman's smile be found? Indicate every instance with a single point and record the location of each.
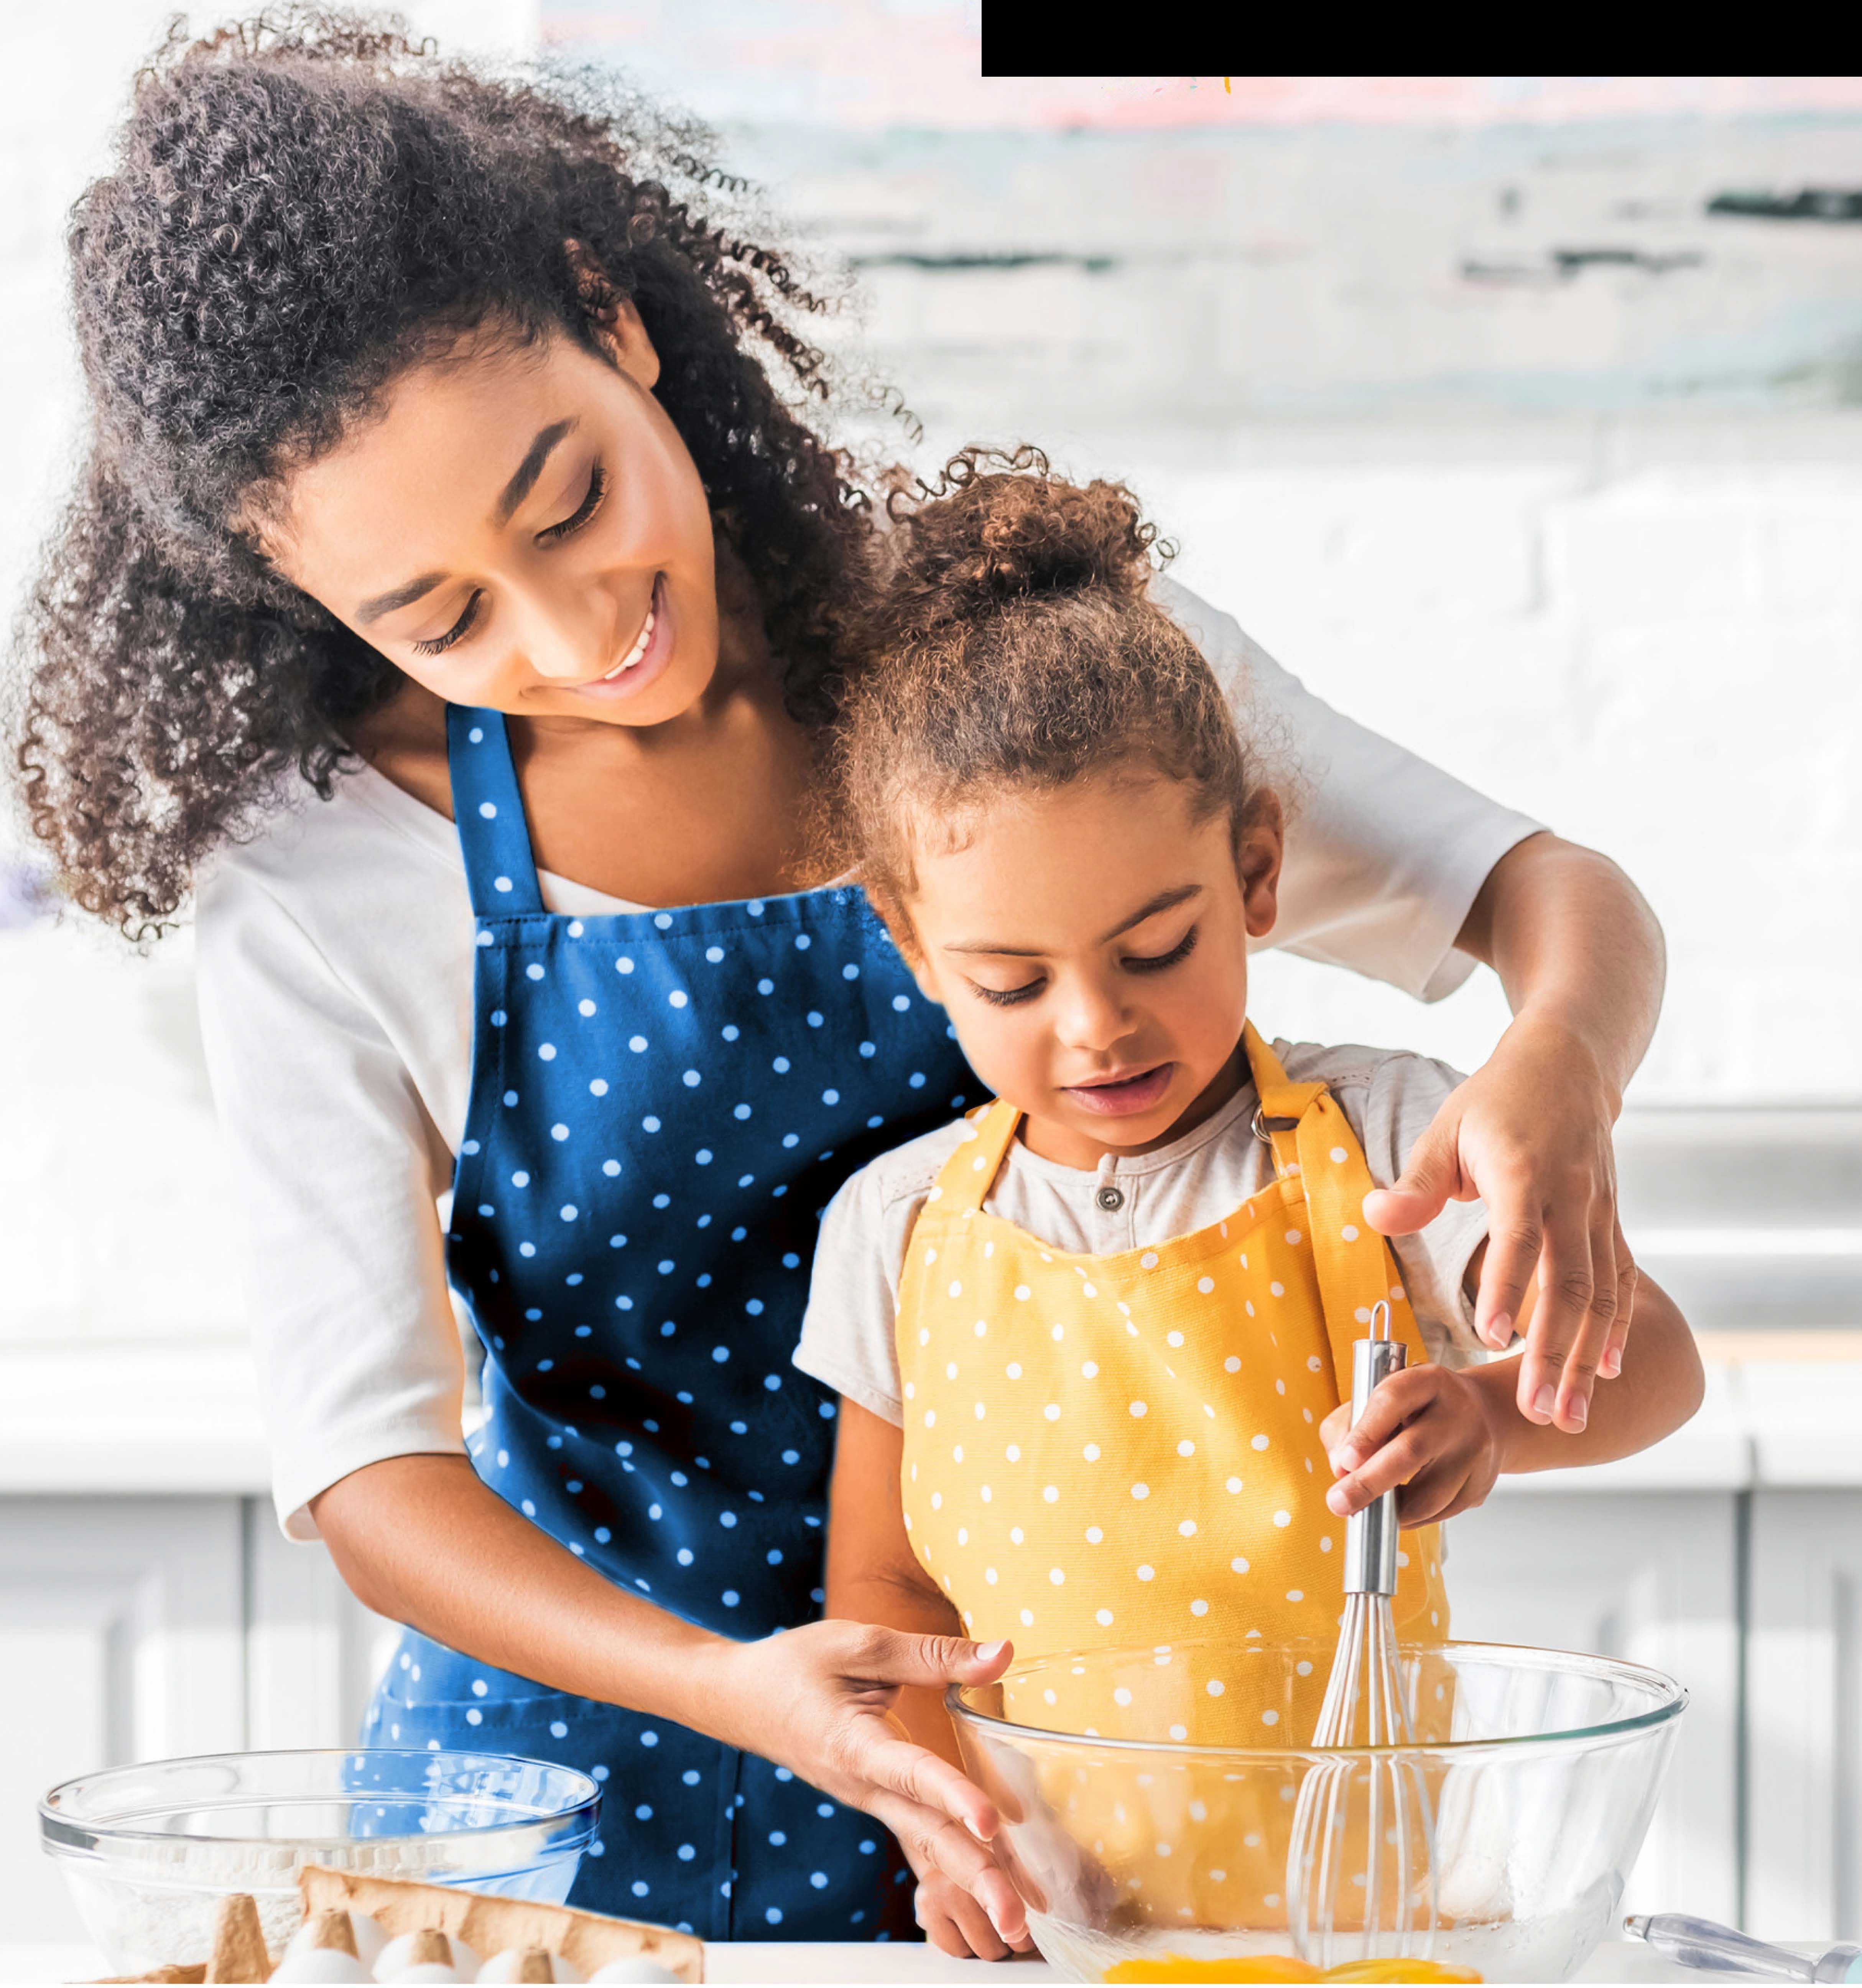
(646, 656)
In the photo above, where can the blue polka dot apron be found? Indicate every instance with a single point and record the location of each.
(661, 1104)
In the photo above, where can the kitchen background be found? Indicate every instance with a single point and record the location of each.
(1522, 417)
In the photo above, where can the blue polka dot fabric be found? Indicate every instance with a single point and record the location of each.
(661, 1104)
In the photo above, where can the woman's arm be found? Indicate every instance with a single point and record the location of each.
(1581, 955)
(873, 1576)
(420, 1540)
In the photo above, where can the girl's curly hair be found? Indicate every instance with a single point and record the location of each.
(301, 208)
(1011, 642)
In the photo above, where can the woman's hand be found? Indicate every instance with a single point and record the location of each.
(819, 1700)
(1580, 956)
(1529, 1133)
(1430, 1430)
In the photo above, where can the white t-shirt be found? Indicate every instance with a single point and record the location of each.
(1388, 1095)
(335, 959)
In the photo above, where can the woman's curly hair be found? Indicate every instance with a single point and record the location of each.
(1011, 642)
(300, 208)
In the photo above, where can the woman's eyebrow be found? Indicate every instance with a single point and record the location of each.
(514, 493)
(530, 469)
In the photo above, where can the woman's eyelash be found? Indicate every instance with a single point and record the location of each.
(1156, 964)
(457, 633)
(590, 504)
(1010, 997)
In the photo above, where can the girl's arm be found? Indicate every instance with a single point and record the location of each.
(1581, 955)
(420, 1540)
(1445, 1435)
(874, 1576)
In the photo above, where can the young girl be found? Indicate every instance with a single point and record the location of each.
(1091, 1341)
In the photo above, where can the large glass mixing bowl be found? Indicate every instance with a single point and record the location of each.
(1165, 1832)
(148, 1851)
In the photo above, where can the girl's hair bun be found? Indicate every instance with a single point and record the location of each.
(997, 528)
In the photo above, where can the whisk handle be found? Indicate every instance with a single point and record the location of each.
(1696, 1943)
(1370, 1535)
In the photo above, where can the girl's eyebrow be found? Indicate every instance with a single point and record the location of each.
(1164, 901)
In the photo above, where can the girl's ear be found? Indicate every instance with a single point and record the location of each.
(611, 316)
(1258, 852)
(898, 922)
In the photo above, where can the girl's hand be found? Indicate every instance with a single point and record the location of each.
(1429, 1429)
(954, 1923)
(1529, 1133)
(816, 1699)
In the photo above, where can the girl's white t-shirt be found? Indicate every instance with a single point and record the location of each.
(1137, 1202)
(335, 962)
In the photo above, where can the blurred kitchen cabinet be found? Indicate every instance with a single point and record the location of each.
(1651, 1577)
(122, 1634)
(1804, 1716)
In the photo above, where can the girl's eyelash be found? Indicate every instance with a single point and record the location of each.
(1158, 962)
(457, 633)
(1011, 997)
(590, 504)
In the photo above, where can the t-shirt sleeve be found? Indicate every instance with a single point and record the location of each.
(341, 1167)
(1384, 852)
(847, 1341)
(1391, 1098)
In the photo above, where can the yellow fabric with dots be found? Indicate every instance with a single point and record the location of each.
(1125, 1450)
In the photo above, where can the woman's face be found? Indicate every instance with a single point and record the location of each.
(519, 527)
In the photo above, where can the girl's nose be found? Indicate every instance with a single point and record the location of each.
(1092, 1019)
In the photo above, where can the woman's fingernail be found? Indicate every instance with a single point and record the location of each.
(1500, 1328)
(1611, 1364)
(987, 1653)
(1544, 1401)
(1578, 1414)
(1336, 1501)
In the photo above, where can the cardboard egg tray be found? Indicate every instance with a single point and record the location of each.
(488, 1925)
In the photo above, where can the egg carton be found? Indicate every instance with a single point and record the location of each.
(356, 1927)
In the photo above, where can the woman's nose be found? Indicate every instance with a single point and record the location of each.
(568, 635)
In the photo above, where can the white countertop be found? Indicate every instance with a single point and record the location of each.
(1619, 1960)
(183, 1418)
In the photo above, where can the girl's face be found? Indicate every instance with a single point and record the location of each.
(521, 528)
(1090, 945)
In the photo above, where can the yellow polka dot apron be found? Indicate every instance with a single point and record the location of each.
(1125, 1450)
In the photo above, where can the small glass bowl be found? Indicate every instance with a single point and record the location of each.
(1166, 1833)
(149, 1851)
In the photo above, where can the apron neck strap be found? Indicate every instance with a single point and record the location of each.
(1282, 1104)
(966, 1176)
(488, 812)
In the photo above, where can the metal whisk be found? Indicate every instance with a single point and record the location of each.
(1361, 1881)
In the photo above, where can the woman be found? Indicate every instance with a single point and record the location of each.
(451, 592)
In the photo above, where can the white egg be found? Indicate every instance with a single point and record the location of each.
(321, 1963)
(396, 1962)
(504, 1967)
(636, 1967)
(366, 1932)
